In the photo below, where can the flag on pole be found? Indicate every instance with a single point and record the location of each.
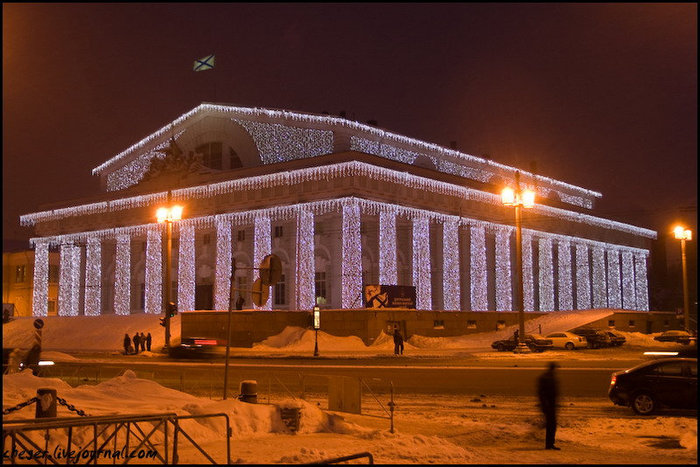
(206, 63)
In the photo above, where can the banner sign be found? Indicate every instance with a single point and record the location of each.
(390, 296)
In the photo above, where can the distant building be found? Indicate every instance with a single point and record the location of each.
(18, 282)
(343, 204)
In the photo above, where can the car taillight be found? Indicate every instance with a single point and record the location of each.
(612, 380)
(204, 342)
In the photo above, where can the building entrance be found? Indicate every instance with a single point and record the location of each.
(204, 297)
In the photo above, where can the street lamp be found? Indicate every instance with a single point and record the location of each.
(317, 326)
(519, 199)
(683, 234)
(168, 215)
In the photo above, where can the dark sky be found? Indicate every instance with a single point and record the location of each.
(603, 96)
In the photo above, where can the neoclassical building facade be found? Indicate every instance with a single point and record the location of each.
(343, 204)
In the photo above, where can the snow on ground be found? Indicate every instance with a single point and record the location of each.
(444, 430)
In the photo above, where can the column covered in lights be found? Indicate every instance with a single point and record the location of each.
(519, 199)
(683, 234)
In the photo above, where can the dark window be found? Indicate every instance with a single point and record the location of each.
(471, 324)
(438, 324)
(318, 228)
(670, 369)
(631, 323)
(20, 273)
(53, 273)
(241, 235)
(206, 239)
(211, 154)
(611, 322)
(52, 307)
(320, 287)
(279, 231)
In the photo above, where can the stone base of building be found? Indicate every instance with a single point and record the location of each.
(249, 327)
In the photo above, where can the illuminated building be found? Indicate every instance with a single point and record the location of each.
(342, 204)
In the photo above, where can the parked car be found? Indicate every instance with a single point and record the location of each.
(682, 337)
(595, 338)
(667, 382)
(616, 340)
(567, 340)
(535, 342)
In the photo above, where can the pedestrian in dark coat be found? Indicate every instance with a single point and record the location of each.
(548, 393)
(142, 341)
(127, 344)
(398, 342)
(148, 342)
(516, 336)
(136, 340)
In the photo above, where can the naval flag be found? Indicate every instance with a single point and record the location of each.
(206, 63)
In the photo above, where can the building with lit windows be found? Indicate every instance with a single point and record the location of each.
(342, 204)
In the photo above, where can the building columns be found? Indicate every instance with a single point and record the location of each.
(222, 281)
(583, 278)
(387, 248)
(305, 271)
(504, 285)
(629, 300)
(186, 267)
(262, 247)
(600, 295)
(614, 292)
(421, 263)
(40, 295)
(93, 277)
(450, 265)
(546, 274)
(477, 267)
(640, 277)
(154, 270)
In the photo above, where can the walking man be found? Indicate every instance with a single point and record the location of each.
(148, 342)
(398, 342)
(548, 393)
(142, 340)
(127, 344)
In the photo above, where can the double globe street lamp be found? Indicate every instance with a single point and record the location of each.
(519, 199)
(168, 215)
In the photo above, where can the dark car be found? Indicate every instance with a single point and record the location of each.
(535, 342)
(668, 382)
(198, 347)
(616, 340)
(596, 339)
(682, 337)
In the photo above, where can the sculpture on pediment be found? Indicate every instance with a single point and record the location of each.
(174, 166)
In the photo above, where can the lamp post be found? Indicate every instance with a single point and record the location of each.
(317, 326)
(683, 234)
(519, 199)
(168, 215)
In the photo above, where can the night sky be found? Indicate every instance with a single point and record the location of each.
(602, 96)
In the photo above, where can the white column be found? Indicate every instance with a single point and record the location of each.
(93, 277)
(546, 278)
(351, 287)
(479, 294)
(583, 278)
(600, 296)
(154, 270)
(305, 264)
(40, 296)
(421, 263)
(122, 276)
(387, 248)
(528, 281)
(222, 284)
(640, 279)
(76, 259)
(262, 247)
(450, 265)
(629, 301)
(566, 300)
(504, 286)
(186, 268)
(67, 296)
(614, 292)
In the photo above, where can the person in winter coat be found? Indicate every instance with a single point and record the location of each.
(136, 340)
(398, 342)
(548, 394)
(127, 344)
(148, 342)
(142, 341)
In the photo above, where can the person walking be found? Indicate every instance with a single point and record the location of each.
(127, 343)
(142, 341)
(548, 394)
(148, 342)
(398, 342)
(136, 340)
(516, 336)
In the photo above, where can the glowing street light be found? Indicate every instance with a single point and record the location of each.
(168, 215)
(519, 199)
(683, 234)
(317, 326)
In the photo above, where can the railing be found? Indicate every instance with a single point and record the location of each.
(104, 429)
(338, 460)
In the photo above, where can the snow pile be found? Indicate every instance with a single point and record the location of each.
(303, 340)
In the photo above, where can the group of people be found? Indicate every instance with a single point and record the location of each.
(140, 341)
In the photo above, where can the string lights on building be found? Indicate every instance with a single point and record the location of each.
(478, 270)
(93, 277)
(122, 276)
(546, 274)
(222, 285)
(600, 296)
(262, 246)
(351, 287)
(583, 278)
(421, 262)
(40, 297)
(186, 265)
(629, 301)
(154, 267)
(614, 292)
(564, 283)
(305, 264)
(450, 268)
(504, 285)
(388, 273)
